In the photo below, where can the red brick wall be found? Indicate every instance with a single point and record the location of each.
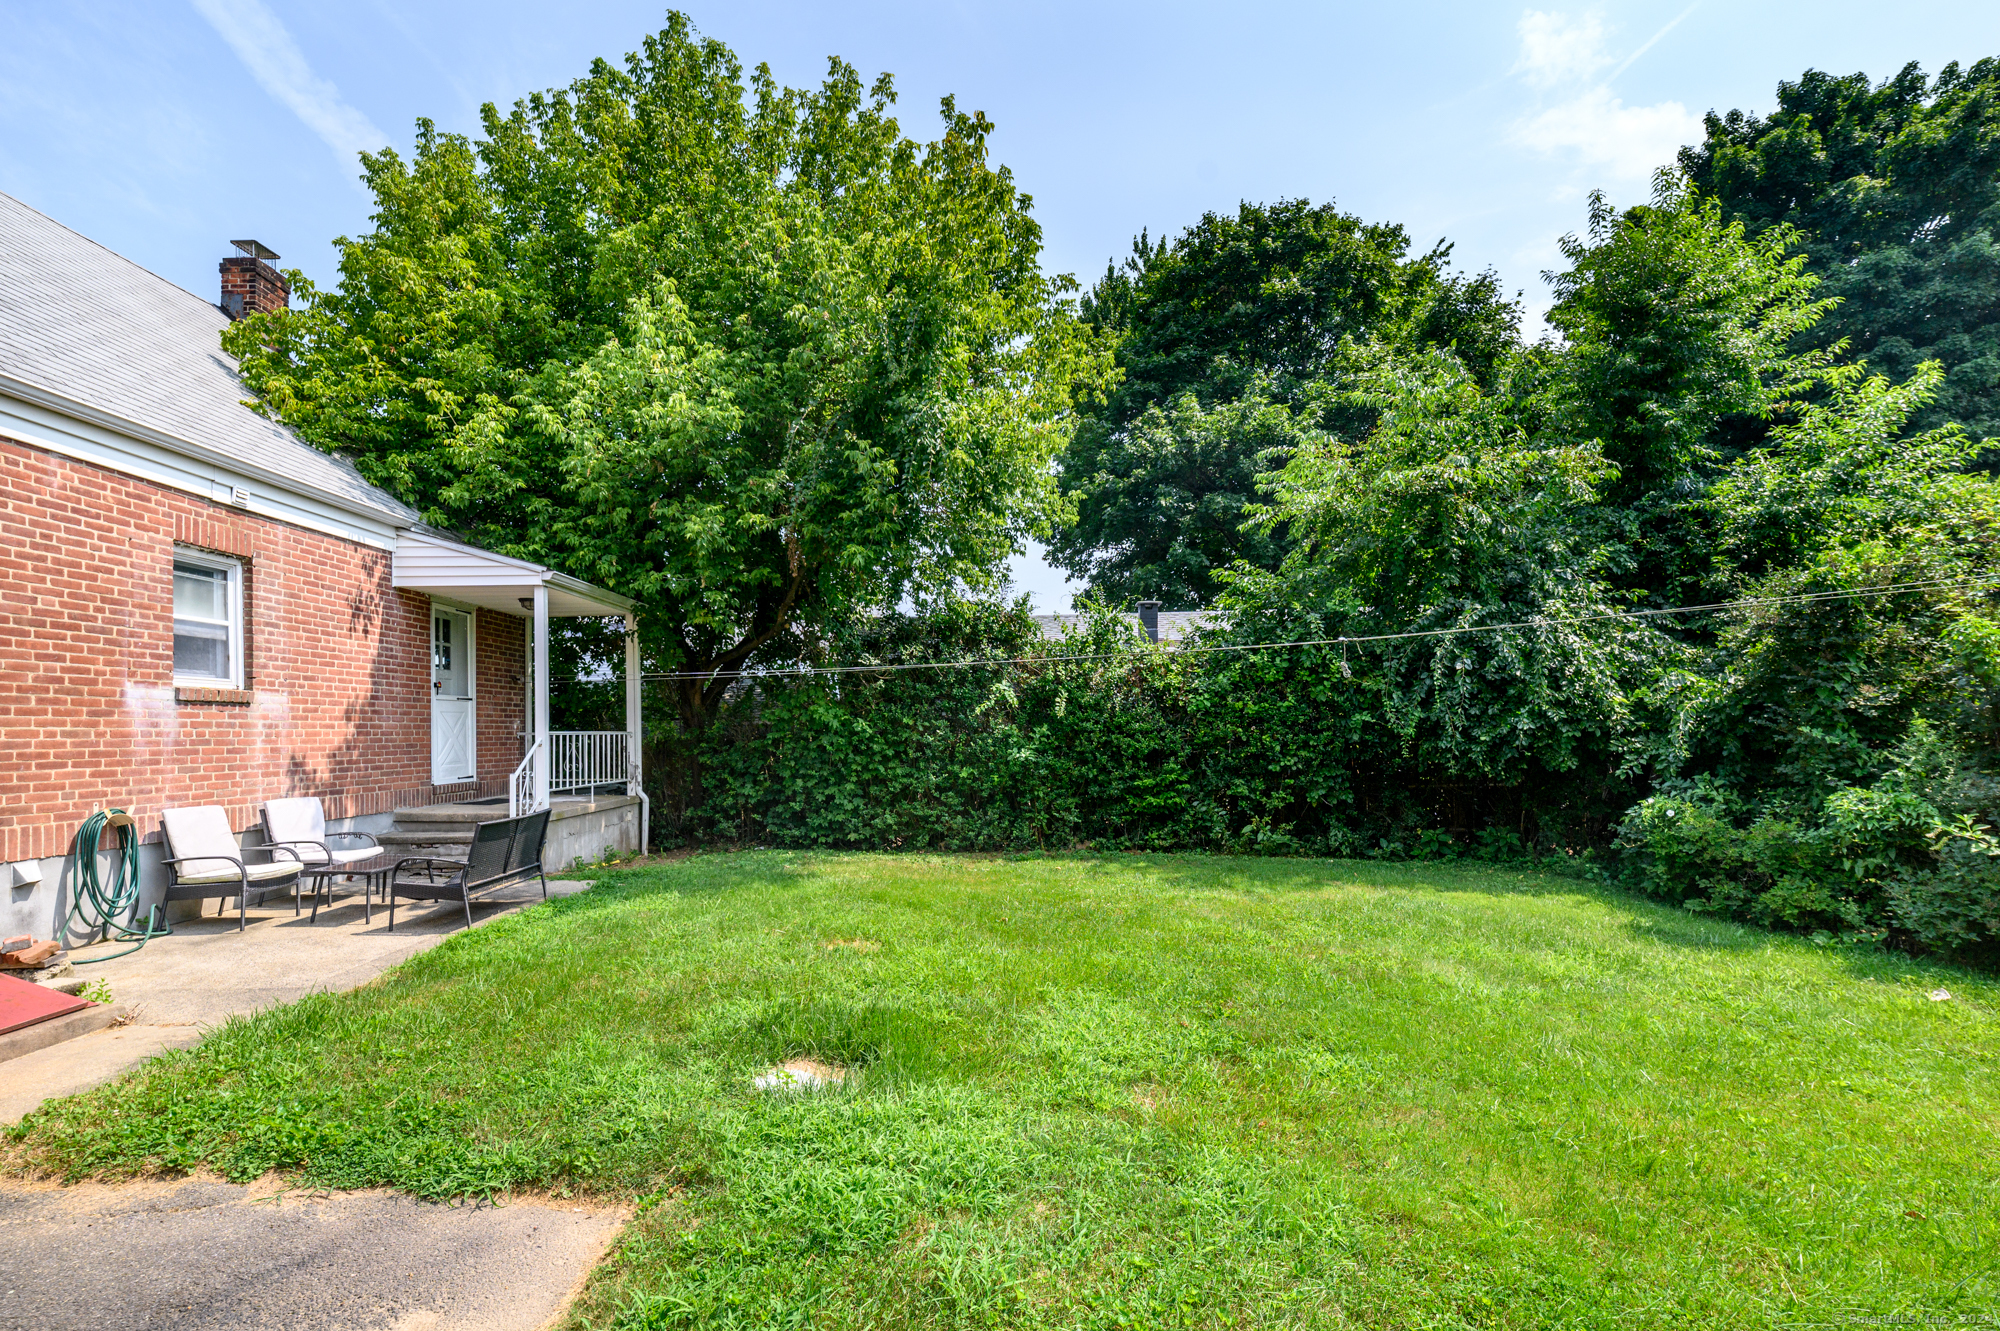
(337, 664)
(502, 664)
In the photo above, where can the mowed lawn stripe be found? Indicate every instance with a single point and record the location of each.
(1142, 1091)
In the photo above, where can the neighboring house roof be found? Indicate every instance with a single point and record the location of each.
(1174, 624)
(86, 331)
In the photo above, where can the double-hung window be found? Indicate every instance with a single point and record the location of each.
(208, 620)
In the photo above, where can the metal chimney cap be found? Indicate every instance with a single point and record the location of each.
(256, 249)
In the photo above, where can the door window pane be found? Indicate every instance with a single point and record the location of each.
(451, 651)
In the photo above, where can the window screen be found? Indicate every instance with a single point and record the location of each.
(205, 628)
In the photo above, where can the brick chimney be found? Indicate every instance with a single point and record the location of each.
(1149, 619)
(249, 284)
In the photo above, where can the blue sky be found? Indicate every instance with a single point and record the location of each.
(164, 128)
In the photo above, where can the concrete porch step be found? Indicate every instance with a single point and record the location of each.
(443, 834)
(465, 814)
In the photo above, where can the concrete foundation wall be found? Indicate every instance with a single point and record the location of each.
(581, 832)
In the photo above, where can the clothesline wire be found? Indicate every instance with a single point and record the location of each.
(1341, 640)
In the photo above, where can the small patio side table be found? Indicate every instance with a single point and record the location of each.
(374, 869)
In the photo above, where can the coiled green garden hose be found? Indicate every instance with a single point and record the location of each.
(94, 909)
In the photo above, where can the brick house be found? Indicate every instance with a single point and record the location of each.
(199, 608)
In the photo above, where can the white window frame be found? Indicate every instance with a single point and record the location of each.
(234, 568)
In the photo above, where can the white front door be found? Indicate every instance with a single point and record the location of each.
(454, 748)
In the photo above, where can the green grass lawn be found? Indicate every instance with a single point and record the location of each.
(1143, 1091)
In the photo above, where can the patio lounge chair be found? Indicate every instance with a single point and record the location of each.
(506, 851)
(205, 861)
(301, 824)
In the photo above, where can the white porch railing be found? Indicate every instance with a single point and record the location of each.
(521, 785)
(581, 760)
(585, 759)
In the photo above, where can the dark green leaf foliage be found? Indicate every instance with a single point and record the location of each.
(1897, 191)
(1223, 335)
(1823, 764)
(1309, 750)
(1678, 328)
(743, 352)
(586, 674)
(1835, 764)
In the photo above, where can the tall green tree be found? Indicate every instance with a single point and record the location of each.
(1584, 478)
(1458, 510)
(1896, 191)
(1679, 331)
(744, 352)
(1225, 338)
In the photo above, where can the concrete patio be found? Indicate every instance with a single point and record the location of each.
(203, 1255)
(177, 987)
(270, 1255)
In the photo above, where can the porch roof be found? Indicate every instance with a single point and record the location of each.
(427, 561)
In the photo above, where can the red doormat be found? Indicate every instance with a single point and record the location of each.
(24, 1004)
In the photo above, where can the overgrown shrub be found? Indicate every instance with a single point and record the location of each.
(1671, 589)
(1910, 856)
(1098, 740)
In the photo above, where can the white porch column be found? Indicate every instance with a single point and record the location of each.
(542, 694)
(634, 721)
(635, 732)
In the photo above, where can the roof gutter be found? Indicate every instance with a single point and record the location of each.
(578, 587)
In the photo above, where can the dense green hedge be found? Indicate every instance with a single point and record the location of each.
(1279, 751)
(1102, 741)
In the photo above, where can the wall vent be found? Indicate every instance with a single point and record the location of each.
(239, 496)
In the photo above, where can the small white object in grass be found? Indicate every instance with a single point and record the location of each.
(801, 1074)
(1940, 995)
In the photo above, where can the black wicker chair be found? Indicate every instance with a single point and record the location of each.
(503, 852)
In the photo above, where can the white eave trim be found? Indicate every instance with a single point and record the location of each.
(578, 587)
(187, 448)
(427, 562)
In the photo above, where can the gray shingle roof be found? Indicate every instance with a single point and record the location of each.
(1174, 624)
(92, 326)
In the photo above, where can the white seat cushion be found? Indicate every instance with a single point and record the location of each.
(299, 819)
(194, 833)
(303, 818)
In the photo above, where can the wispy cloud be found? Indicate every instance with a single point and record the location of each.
(1557, 49)
(1601, 131)
(1561, 55)
(274, 60)
(1647, 45)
